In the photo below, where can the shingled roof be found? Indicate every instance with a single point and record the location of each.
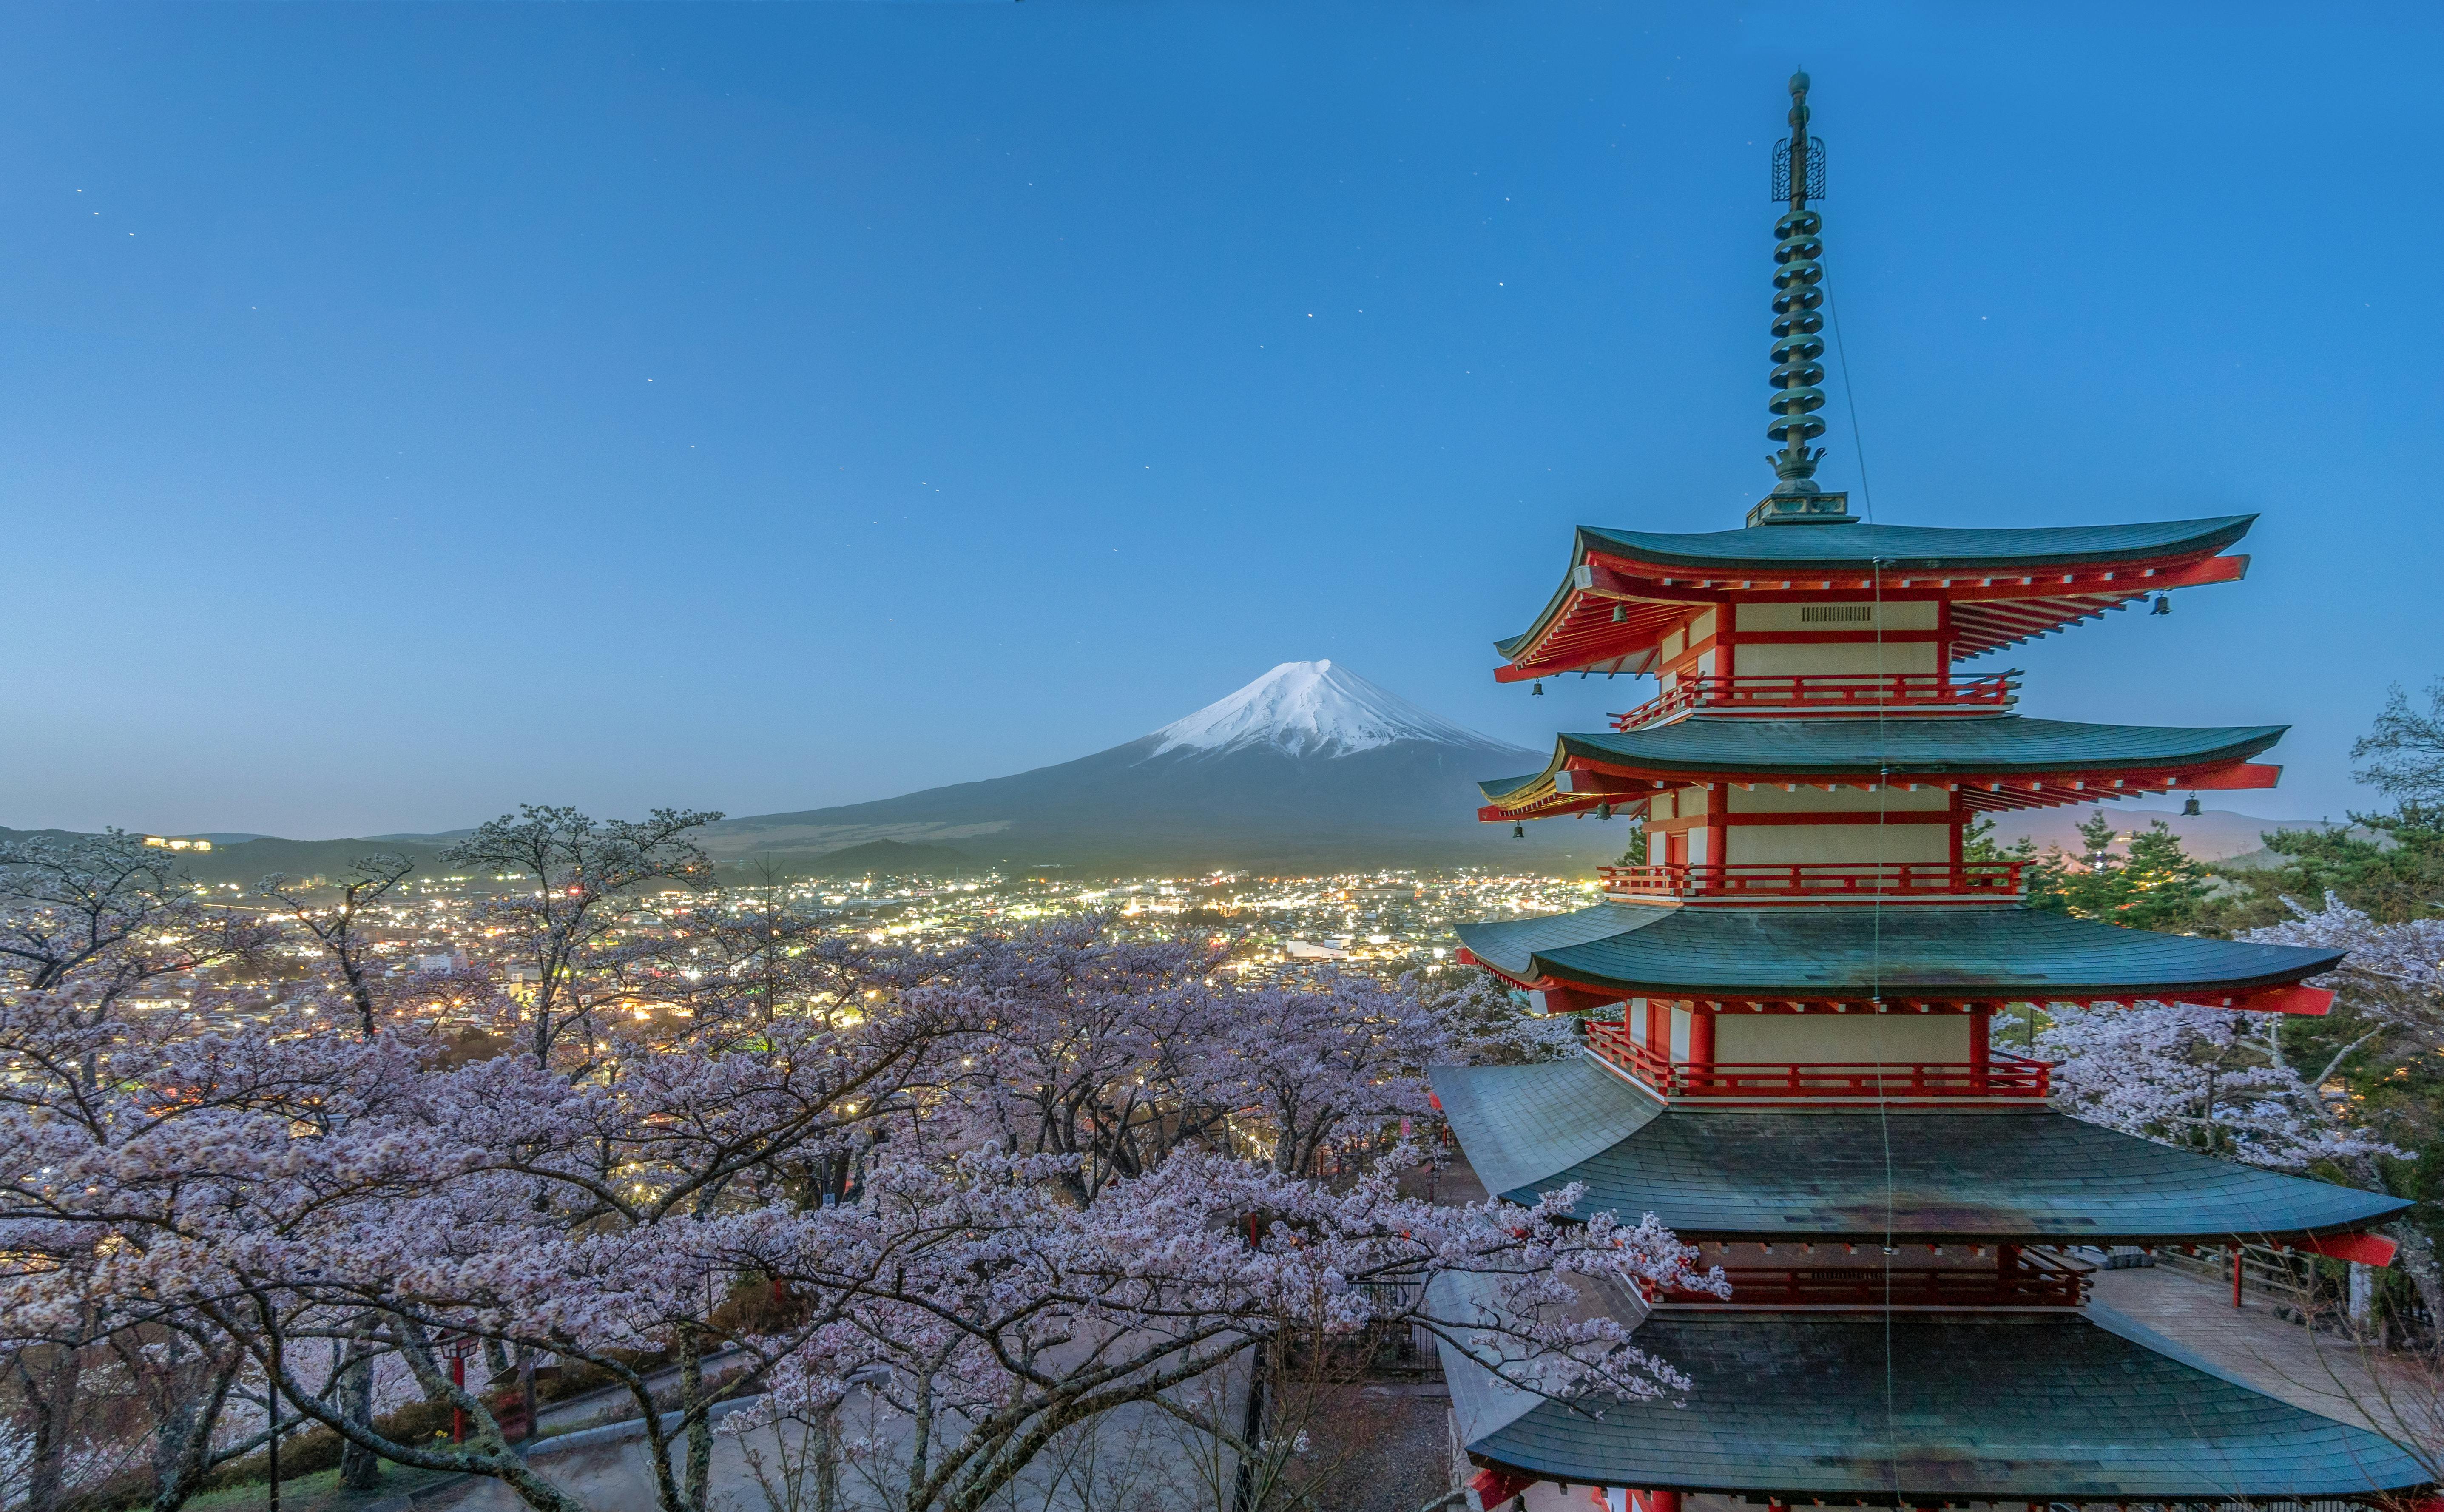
(1931, 1408)
(1919, 548)
(2113, 565)
(1889, 749)
(2013, 954)
(1919, 1177)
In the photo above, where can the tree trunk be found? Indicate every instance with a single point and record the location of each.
(360, 1467)
(182, 1446)
(54, 1393)
(2418, 1257)
(821, 1453)
(696, 1487)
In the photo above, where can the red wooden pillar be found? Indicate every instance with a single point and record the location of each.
(1981, 1041)
(2235, 1274)
(458, 1379)
(1702, 1039)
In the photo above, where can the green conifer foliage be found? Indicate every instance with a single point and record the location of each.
(2154, 885)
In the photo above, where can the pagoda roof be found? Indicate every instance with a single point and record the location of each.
(1927, 1408)
(1990, 747)
(1625, 588)
(1919, 548)
(1919, 1177)
(1816, 955)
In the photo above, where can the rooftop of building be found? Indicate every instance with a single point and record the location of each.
(1929, 1410)
(1995, 746)
(1626, 587)
(1814, 954)
(1858, 1176)
(1896, 549)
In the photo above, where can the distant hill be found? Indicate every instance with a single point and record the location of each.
(893, 859)
(247, 863)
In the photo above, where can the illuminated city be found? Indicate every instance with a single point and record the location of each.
(1384, 923)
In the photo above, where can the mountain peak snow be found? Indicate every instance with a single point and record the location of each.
(1310, 709)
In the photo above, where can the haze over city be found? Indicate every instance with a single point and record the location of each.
(419, 411)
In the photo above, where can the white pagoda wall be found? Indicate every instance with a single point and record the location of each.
(1785, 1037)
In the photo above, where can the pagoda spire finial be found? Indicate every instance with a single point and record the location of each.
(1798, 331)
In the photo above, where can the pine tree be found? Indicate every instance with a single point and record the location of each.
(2156, 886)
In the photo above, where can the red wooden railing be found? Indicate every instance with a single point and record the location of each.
(2026, 1279)
(2001, 1076)
(1829, 692)
(1827, 881)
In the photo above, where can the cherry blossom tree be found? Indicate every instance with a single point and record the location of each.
(2223, 1081)
(2201, 1078)
(1483, 1022)
(988, 1315)
(114, 1134)
(632, 1194)
(590, 877)
(87, 924)
(90, 920)
(336, 927)
(1089, 1047)
(2391, 996)
(1325, 1060)
(2394, 974)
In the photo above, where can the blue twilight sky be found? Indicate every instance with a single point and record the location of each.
(411, 411)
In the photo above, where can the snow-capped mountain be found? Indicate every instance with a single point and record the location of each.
(1311, 709)
(1310, 767)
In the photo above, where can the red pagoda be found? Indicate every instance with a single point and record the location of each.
(1801, 1074)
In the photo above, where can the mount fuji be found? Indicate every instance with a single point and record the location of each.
(1308, 767)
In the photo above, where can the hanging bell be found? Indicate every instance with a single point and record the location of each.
(1603, 811)
(1620, 613)
(2191, 807)
(1518, 832)
(2163, 605)
(1539, 690)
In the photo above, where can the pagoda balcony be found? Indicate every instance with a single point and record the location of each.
(1912, 693)
(2026, 1279)
(1816, 882)
(1999, 1076)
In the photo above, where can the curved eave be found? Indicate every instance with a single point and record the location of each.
(1902, 549)
(2006, 586)
(1925, 1176)
(1822, 955)
(1997, 763)
(1945, 1410)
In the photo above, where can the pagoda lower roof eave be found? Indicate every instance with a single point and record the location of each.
(1803, 954)
(1998, 761)
(1925, 1409)
(1853, 1175)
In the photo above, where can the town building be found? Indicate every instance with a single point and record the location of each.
(1790, 1054)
